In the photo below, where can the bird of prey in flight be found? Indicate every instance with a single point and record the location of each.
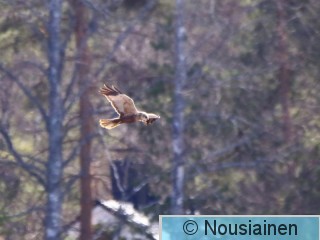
(125, 107)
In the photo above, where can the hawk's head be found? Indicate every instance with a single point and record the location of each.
(143, 117)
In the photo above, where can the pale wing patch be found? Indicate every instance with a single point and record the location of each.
(129, 107)
(117, 103)
(123, 104)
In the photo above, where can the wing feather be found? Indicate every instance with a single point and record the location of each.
(122, 104)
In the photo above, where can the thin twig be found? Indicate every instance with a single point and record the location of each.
(123, 36)
(31, 169)
(27, 92)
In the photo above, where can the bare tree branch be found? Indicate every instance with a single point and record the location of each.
(35, 65)
(31, 169)
(27, 92)
(114, 168)
(25, 212)
(76, 149)
(123, 36)
(272, 158)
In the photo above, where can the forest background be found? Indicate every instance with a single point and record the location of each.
(236, 83)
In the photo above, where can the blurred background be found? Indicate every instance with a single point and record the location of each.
(236, 83)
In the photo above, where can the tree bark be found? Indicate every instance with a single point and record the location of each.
(178, 111)
(55, 119)
(284, 69)
(83, 61)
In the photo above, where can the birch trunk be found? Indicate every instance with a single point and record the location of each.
(54, 164)
(178, 112)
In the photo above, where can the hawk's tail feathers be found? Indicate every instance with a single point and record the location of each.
(110, 123)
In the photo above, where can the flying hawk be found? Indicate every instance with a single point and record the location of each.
(125, 107)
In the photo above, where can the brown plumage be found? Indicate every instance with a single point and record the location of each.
(124, 106)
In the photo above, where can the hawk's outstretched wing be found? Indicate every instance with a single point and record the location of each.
(123, 104)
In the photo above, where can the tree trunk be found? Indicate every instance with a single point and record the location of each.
(54, 164)
(178, 112)
(284, 70)
(83, 61)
